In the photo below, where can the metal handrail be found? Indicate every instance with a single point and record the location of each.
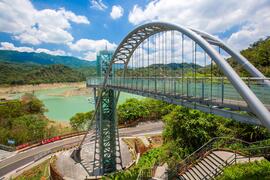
(179, 77)
(208, 147)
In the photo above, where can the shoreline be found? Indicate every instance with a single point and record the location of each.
(7, 91)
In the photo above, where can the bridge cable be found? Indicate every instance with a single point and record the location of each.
(183, 41)
(193, 67)
(211, 71)
(155, 58)
(195, 59)
(148, 62)
(203, 81)
(172, 60)
(166, 63)
(160, 55)
(163, 59)
(142, 64)
(222, 81)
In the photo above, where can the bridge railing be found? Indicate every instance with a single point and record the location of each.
(237, 146)
(207, 90)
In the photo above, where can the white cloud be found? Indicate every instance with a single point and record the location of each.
(117, 12)
(10, 46)
(75, 18)
(252, 17)
(258, 27)
(32, 26)
(98, 4)
(55, 52)
(90, 56)
(90, 47)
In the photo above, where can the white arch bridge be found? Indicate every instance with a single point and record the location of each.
(179, 65)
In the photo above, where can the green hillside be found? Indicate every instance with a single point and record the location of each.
(15, 73)
(174, 66)
(259, 55)
(43, 59)
(32, 68)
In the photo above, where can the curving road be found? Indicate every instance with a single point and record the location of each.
(23, 158)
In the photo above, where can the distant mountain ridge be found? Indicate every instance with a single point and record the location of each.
(175, 65)
(43, 59)
(21, 73)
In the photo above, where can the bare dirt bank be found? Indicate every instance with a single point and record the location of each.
(7, 91)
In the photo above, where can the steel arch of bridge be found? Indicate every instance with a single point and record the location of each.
(136, 37)
(129, 44)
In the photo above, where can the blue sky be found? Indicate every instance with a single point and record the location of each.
(82, 27)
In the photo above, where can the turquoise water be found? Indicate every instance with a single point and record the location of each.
(62, 108)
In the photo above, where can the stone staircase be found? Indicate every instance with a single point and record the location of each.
(209, 160)
(212, 165)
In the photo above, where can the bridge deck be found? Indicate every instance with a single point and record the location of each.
(216, 93)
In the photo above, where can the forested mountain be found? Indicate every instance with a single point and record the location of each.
(259, 55)
(32, 68)
(43, 59)
(17, 73)
(175, 66)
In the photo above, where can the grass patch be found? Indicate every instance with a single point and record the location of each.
(147, 160)
(38, 172)
(253, 170)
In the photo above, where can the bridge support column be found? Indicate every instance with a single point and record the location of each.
(107, 147)
(107, 155)
(107, 132)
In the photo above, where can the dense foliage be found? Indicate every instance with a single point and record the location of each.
(140, 110)
(191, 128)
(258, 54)
(160, 70)
(80, 121)
(147, 161)
(13, 74)
(132, 109)
(185, 131)
(252, 170)
(23, 120)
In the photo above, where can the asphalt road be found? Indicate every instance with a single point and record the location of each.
(23, 158)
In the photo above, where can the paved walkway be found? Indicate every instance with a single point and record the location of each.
(71, 170)
(68, 168)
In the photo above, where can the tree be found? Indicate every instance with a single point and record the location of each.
(80, 120)
(28, 128)
(191, 128)
(4, 134)
(248, 132)
(132, 109)
(157, 108)
(32, 104)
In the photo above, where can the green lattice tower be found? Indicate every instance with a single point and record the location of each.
(107, 149)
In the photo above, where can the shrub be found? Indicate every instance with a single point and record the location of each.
(252, 170)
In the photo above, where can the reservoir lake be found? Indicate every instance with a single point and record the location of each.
(62, 108)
